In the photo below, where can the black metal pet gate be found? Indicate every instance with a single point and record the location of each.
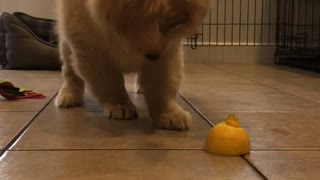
(298, 38)
(291, 26)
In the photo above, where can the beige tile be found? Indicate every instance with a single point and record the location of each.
(262, 102)
(247, 70)
(255, 71)
(204, 77)
(224, 85)
(223, 82)
(312, 96)
(302, 83)
(156, 165)
(287, 164)
(308, 84)
(242, 68)
(139, 101)
(25, 105)
(194, 68)
(304, 87)
(278, 130)
(92, 130)
(230, 54)
(289, 84)
(10, 125)
(91, 104)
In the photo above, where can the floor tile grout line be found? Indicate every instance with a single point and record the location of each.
(240, 111)
(146, 149)
(254, 167)
(212, 124)
(239, 76)
(159, 149)
(264, 84)
(18, 111)
(288, 149)
(24, 129)
(197, 111)
(211, 68)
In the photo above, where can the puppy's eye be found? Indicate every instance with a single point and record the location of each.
(152, 56)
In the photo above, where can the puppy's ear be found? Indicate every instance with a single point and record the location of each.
(183, 16)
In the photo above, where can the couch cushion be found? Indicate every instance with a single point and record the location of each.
(43, 28)
(22, 49)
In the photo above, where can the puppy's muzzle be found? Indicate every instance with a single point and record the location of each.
(152, 56)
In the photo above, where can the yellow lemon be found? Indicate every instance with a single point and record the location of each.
(228, 138)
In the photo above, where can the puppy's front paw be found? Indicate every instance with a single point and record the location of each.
(178, 120)
(69, 98)
(120, 111)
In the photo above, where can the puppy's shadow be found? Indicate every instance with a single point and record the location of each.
(113, 127)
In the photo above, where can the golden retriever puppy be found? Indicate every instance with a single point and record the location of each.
(100, 40)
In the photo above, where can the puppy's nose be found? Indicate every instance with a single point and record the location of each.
(152, 56)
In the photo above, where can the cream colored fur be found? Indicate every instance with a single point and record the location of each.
(100, 40)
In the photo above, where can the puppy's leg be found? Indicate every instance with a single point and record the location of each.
(161, 81)
(72, 91)
(106, 82)
(138, 85)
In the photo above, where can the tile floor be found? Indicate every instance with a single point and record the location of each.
(278, 106)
